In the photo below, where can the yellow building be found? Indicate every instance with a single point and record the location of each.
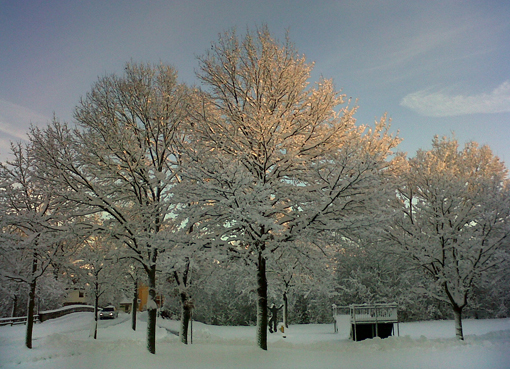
(143, 296)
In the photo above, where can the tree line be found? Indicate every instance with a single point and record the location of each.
(259, 174)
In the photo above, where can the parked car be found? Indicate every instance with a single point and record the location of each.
(108, 312)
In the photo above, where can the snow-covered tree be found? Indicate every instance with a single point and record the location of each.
(12, 295)
(222, 293)
(133, 276)
(32, 223)
(50, 291)
(274, 160)
(99, 271)
(453, 219)
(180, 272)
(365, 272)
(122, 160)
(490, 297)
(297, 270)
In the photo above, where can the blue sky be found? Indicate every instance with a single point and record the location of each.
(435, 67)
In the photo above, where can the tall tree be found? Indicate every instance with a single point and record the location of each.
(32, 223)
(132, 281)
(274, 159)
(98, 270)
(122, 161)
(454, 219)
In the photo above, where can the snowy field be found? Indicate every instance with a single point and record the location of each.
(64, 343)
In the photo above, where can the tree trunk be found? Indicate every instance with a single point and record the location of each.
(261, 303)
(31, 305)
(186, 308)
(152, 311)
(30, 314)
(285, 310)
(457, 312)
(96, 309)
(134, 306)
(14, 306)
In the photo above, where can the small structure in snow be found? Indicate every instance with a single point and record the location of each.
(368, 320)
(125, 304)
(75, 296)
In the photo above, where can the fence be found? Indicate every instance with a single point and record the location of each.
(16, 320)
(50, 314)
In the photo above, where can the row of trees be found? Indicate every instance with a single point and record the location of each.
(257, 170)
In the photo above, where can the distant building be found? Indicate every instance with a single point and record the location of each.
(78, 296)
(125, 304)
(75, 296)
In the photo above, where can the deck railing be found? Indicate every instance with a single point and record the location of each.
(374, 314)
(380, 313)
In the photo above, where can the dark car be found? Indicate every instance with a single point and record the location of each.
(108, 312)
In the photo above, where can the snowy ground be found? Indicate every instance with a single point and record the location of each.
(64, 343)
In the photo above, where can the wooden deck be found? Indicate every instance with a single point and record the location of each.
(367, 320)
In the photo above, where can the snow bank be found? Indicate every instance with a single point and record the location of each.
(64, 343)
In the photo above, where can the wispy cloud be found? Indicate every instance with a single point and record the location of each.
(417, 47)
(442, 104)
(14, 123)
(15, 119)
